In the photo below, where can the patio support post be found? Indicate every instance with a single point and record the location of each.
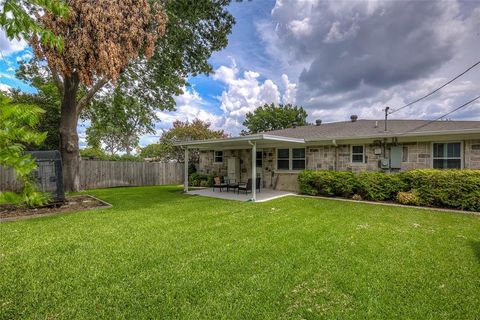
(185, 180)
(254, 170)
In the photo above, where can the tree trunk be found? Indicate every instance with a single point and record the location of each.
(68, 134)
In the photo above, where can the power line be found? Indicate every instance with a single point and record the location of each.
(443, 116)
(438, 89)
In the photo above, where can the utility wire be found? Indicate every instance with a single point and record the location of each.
(446, 114)
(436, 90)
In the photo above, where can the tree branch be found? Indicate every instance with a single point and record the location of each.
(56, 78)
(90, 94)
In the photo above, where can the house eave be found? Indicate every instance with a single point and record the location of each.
(241, 141)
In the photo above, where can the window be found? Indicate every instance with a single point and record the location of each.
(447, 155)
(357, 154)
(283, 159)
(259, 158)
(291, 159)
(298, 159)
(218, 156)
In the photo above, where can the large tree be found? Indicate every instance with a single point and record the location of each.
(118, 121)
(124, 42)
(274, 117)
(181, 131)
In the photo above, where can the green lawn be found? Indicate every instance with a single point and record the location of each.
(161, 254)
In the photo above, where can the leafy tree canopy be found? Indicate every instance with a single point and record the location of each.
(17, 18)
(149, 47)
(274, 117)
(118, 121)
(182, 131)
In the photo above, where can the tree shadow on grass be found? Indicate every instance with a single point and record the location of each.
(476, 249)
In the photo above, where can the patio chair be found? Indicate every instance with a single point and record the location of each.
(219, 183)
(247, 187)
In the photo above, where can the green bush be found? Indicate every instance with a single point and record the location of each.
(379, 186)
(200, 180)
(305, 181)
(327, 183)
(458, 189)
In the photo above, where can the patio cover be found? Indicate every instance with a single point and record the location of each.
(245, 142)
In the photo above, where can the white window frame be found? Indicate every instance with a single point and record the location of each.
(351, 154)
(290, 160)
(446, 142)
(215, 156)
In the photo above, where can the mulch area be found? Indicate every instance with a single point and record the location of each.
(10, 212)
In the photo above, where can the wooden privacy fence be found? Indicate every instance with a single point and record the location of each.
(107, 174)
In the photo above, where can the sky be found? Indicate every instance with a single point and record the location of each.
(334, 58)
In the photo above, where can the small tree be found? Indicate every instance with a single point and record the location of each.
(183, 131)
(274, 117)
(18, 129)
(118, 121)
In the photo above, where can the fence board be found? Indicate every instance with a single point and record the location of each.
(107, 174)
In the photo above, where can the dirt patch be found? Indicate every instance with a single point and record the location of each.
(74, 203)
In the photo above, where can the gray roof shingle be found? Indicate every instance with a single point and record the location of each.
(372, 128)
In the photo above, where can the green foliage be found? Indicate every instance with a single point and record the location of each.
(195, 30)
(17, 129)
(17, 19)
(49, 121)
(273, 117)
(446, 188)
(200, 180)
(99, 154)
(184, 131)
(458, 189)
(328, 183)
(154, 150)
(118, 121)
(379, 186)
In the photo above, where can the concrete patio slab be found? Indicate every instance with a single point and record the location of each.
(262, 196)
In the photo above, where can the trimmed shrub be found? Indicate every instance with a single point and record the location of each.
(458, 189)
(379, 186)
(305, 181)
(410, 198)
(200, 180)
(327, 183)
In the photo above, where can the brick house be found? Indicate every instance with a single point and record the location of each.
(355, 145)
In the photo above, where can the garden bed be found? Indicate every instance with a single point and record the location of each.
(10, 212)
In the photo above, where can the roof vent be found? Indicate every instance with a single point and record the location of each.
(353, 117)
(294, 124)
(318, 122)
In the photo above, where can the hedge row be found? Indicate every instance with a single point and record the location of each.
(459, 189)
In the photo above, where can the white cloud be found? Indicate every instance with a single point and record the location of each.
(24, 57)
(5, 87)
(244, 94)
(189, 106)
(10, 46)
